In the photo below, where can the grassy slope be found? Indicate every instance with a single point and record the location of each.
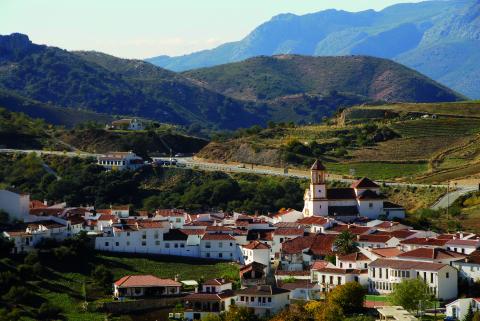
(66, 289)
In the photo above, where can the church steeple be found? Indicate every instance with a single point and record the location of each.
(317, 173)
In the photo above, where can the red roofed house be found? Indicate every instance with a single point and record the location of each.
(433, 255)
(256, 251)
(216, 296)
(299, 253)
(356, 260)
(441, 279)
(463, 246)
(426, 242)
(283, 234)
(253, 274)
(316, 224)
(175, 217)
(362, 198)
(145, 286)
(219, 246)
(377, 241)
(287, 215)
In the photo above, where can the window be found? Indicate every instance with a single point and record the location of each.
(220, 244)
(128, 243)
(106, 243)
(178, 220)
(176, 245)
(208, 255)
(373, 272)
(447, 275)
(370, 205)
(242, 298)
(341, 265)
(167, 245)
(431, 277)
(157, 242)
(339, 280)
(182, 245)
(220, 254)
(252, 299)
(144, 243)
(117, 244)
(208, 245)
(231, 244)
(269, 299)
(155, 236)
(128, 233)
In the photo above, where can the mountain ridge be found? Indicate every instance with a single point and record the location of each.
(400, 32)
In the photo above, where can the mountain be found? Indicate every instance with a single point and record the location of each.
(106, 84)
(270, 78)
(437, 38)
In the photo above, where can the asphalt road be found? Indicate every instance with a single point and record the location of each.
(190, 162)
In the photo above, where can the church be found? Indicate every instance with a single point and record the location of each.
(362, 199)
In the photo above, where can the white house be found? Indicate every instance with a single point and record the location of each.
(127, 123)
(459, 308)
(316, 224)
(15, 205)
(264, 300)
(433, 255)
(145, 286)
(281, 235)
(301, 289)
(422, 242)
(441, 279)
(218, 246)
(469, 267)
(176, 218)
(463, 246)
(256, 251)
(216, 296)
(120, 161)
(328, 276)
(287, 215)
(356, 260)
(377, 241)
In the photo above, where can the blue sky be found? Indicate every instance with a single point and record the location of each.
(145, 28)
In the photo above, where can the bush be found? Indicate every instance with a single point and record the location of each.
(25, 271)
(17, 294)
(47, 311)
(103, 277)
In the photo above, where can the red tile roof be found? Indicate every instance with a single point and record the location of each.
(283, 212)
(209, 296)
(144, 281)
(474, 242)
(289, 231)
(37, 204)
(256, 245)
(407, 265)
(433, 254)
(319, 265)
(170, 212)
(354, 229)
(218, 237)
(374, 238)
(386, 251)
(320, 244)
(400, 234)
(318, 166)
(218, 229)
(188, 231)
(216, 281)
(354, 257)
(313, 220)
(107, 217)
(424, 241)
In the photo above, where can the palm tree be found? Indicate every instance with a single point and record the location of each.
(345, 243)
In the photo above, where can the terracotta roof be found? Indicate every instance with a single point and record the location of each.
(474, 242)
(297, 284)
(107, 217)
(252, 266)
(473, 258)
(313, 220)
(318, 166)
(374, 238)
(386, 225)
(341, 193)
(458, 235)
(433, 254)
(289, 231)
(262, 290)
(287, 224)
(292, 273)
(120, 208)
(104, 211)
(400, 234)
(217, 237)
(353, 257)
(193, 231)
(218, 228)
(46, 211)
(284, 212)
(319, 265)
(320, 244)
(152, 224)
(424, 241)
(335, 270)
(407, 265)
(354, 229)
(76, 219)
(199, 223)
(49, 224)
(144, 281)
(386, 251)
(256, 245)
(170, 212)
(264, 235)
(37, 204)
(365, 183)
(216, 281)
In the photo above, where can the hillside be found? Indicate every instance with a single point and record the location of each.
(437, 38)
(415, 142)
(266, 78)
(106, 84)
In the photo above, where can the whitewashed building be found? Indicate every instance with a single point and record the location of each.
(264, 300)
(218, 246)
(120, 161)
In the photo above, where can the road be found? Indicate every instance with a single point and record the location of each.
(447, 199)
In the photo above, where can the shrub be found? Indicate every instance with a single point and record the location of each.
(48, 311)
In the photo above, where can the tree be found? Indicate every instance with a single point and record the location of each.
(6, 246)
(345, 243)
(329, 312)
(409, 293)
(17, 294)
(476, 316)
(103, 277)
(469, 315)
(47, 311)
(349, 297)
(212, 317)
(4, 217)
(240, 314)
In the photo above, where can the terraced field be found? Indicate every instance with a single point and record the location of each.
(437, 127)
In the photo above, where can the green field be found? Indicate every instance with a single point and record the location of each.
(378, 170)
